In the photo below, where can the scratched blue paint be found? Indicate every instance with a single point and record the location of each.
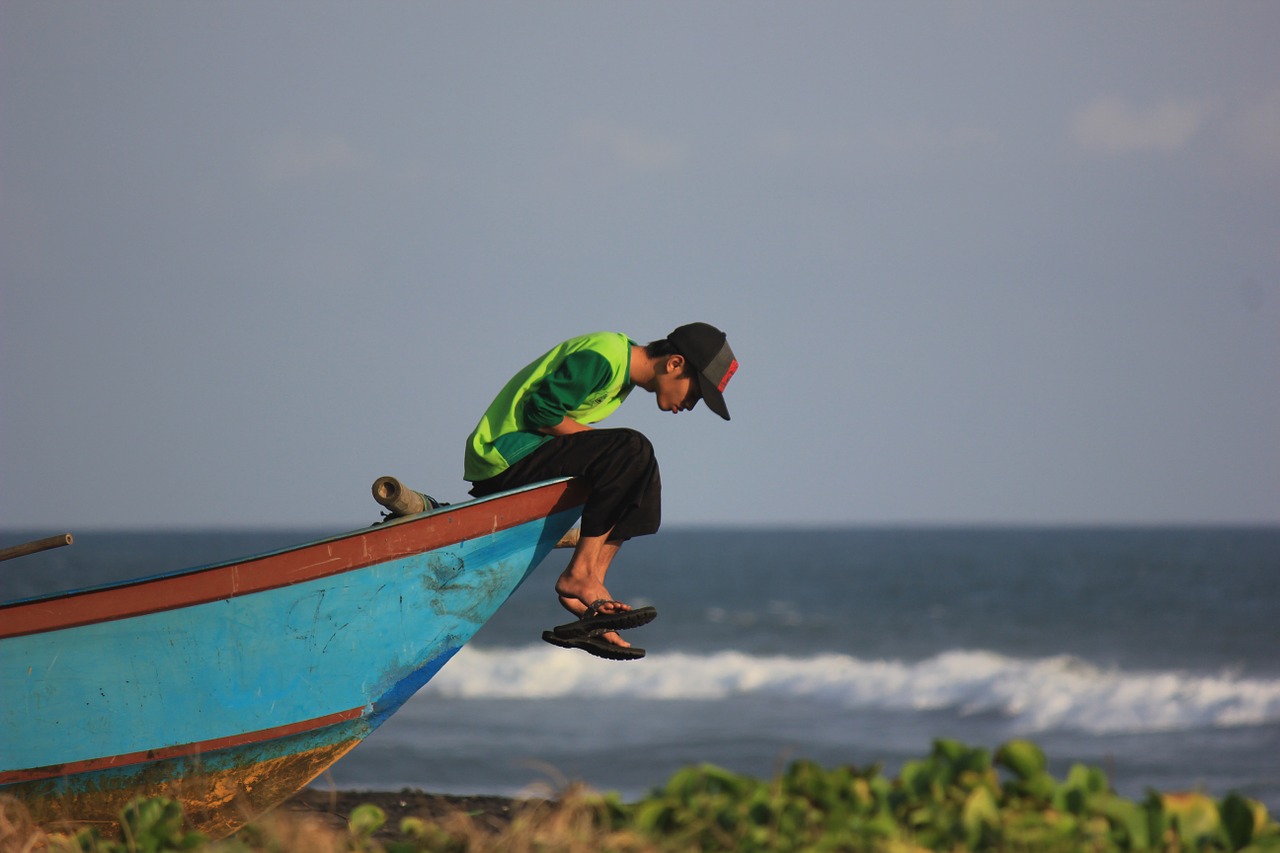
(364, 639)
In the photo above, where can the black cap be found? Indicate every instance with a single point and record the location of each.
(707, 349)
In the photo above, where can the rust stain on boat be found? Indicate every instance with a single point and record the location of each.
(216, 803)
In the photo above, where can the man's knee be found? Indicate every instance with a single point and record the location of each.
(635, 443)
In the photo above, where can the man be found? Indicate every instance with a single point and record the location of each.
(538, 428)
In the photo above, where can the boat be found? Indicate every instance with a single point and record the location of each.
(230, 687)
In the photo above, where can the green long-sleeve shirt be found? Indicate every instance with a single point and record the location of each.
(584, 378)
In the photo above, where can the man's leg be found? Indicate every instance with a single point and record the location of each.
(620, 469)
(617, 465)
(582, 581)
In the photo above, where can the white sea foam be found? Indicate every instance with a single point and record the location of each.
(1034, 695)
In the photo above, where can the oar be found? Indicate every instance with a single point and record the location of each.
(36, 546)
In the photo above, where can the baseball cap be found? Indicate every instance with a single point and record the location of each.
(707, 349)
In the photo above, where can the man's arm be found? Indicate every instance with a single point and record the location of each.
(547, 404)
(565, 427)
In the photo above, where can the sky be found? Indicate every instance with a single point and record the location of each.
(980, 262)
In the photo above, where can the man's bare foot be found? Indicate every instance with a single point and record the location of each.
(576, 595)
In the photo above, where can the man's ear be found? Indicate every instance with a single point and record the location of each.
(675, 364)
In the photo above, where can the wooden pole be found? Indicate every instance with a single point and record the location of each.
(36, 546)
(396, 498)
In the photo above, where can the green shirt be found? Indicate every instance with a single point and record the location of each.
(585, 378)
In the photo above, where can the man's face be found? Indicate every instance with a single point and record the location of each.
(676, 392)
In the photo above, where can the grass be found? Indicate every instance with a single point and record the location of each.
(957, 798)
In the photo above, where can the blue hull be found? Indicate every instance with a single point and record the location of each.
(231, 687)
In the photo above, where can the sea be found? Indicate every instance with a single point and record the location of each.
(1152, 653)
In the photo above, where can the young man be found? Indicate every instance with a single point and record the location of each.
(538, 428)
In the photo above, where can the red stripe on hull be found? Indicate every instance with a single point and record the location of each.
(180, 751)
(309, 562)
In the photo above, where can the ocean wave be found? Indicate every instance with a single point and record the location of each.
(1034, 695)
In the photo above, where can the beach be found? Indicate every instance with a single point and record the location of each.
(333, 808)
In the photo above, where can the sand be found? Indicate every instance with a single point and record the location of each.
(333, 807)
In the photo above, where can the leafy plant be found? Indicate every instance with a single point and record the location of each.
(957, 798)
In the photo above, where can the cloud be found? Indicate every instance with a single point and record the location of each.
(1111, 125)
(630, 148)
(288, 158)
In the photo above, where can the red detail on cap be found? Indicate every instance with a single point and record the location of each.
(728, 374)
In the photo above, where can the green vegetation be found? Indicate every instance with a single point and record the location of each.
(958, 798)
(955, 799)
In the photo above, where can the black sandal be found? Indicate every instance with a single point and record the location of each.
(595, 646)
(593, 623)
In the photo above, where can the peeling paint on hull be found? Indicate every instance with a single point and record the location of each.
(220, 791)
(231, 687)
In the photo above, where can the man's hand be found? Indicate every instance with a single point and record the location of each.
(568, 426)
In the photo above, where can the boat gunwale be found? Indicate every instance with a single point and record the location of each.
(222, 581)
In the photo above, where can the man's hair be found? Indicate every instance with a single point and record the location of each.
(663, 348)
(660, 348)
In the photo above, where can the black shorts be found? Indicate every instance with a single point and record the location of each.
(619, 467)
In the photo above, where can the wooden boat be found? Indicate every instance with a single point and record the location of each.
(230, 687)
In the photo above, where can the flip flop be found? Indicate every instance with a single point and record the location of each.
(595, 646)
(593, 623)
